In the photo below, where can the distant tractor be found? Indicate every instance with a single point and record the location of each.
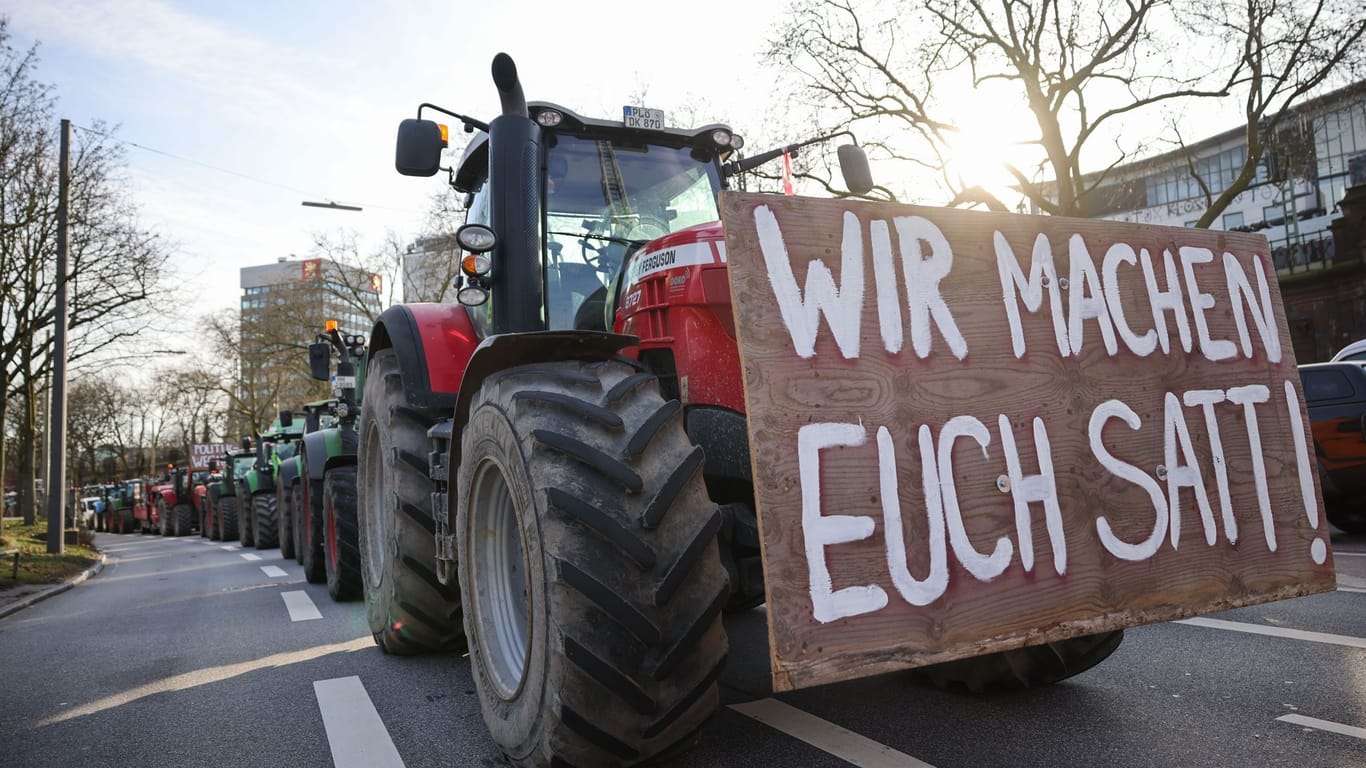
(175, 501)
(331, 553)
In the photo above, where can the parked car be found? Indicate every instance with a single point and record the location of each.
(1355, 351)
(1335, 396)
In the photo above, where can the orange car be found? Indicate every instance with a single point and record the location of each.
(1335, 395)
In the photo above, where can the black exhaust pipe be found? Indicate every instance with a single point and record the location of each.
(515, 207)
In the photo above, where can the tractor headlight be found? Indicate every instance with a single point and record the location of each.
(476, 238)
(736, 141)
(721, 138)
(549, 118)
(472, 296)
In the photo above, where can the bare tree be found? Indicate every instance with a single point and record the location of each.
(423, 269)
(115, 264)
(1087, 72)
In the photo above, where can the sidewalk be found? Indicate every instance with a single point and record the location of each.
(14, 599)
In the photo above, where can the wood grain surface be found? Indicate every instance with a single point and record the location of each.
(905, 392)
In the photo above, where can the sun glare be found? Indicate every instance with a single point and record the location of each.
(993, 132)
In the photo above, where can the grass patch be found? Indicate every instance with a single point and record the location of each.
(36, 566)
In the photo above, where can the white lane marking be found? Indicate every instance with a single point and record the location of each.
(199, 677)
(1324, 725)
(249, 556)
(1339, 553)
(355, 731)
(232, 547)
(1351, 583)
(1292, 634)
(301, 608)
(273, 571)
(825, 735)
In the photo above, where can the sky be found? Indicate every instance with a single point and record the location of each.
(242, 110)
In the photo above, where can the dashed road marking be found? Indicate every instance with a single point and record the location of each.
(273, 571)
(826, 736)
(300, 607)
(249, 556)
(1324, 725)
(1337, 553)
(1292, 634)
(231, 547)
(355, 732)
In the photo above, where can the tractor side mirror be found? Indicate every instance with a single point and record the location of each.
(213, 465)
(286, 418)
(858, 178)
(319, 359)
(246, 443)
(418, 151)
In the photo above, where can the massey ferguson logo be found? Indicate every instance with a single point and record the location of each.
(655, 262)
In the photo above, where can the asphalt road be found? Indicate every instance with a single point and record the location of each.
(185, 653)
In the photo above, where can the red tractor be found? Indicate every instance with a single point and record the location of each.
(555, 473)
(179, 501)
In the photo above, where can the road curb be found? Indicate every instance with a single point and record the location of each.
(53, 590)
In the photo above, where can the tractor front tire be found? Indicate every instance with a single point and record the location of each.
(408, 608)
(227, 518)
(339, 534)
(588, 551)
(165, 516)
(1028, 667)
(315, 567)
(265, 521)
(285, 527)
(182, 520)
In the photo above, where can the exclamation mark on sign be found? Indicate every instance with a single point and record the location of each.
(1319, 549)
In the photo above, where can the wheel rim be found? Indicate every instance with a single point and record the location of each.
(501, 584)
(376, 535)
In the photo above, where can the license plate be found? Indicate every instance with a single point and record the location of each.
(344, 382)
(640, 117)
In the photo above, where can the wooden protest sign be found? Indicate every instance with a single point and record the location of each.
(202, 453)
(976, 431)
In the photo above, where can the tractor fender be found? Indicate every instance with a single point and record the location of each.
(258, 481)
(289, 471)
(167, 494)
(348, 448)
(323, 446)
(434, 343)
(508, 350)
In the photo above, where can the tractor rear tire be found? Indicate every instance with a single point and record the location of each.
(588, 549)
(408, 608)
(340, 535)
(315, 565)
(246, 521)
(266, 521)
(164, 515)
(285, 527)
(1027, 667)
(227, 518)
(182, 517)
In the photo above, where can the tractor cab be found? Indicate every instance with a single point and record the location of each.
(605, 190)
(551, 250)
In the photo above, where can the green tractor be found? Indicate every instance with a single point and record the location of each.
(326, 528)
(317, 415)
(224, 505)
(259, 525)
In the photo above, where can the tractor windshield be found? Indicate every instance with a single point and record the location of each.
(604, 198)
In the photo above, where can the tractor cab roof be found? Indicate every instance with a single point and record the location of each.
(474, 161)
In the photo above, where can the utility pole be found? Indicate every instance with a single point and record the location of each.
(56, 473)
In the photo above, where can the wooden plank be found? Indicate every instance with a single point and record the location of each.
(939, 349)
